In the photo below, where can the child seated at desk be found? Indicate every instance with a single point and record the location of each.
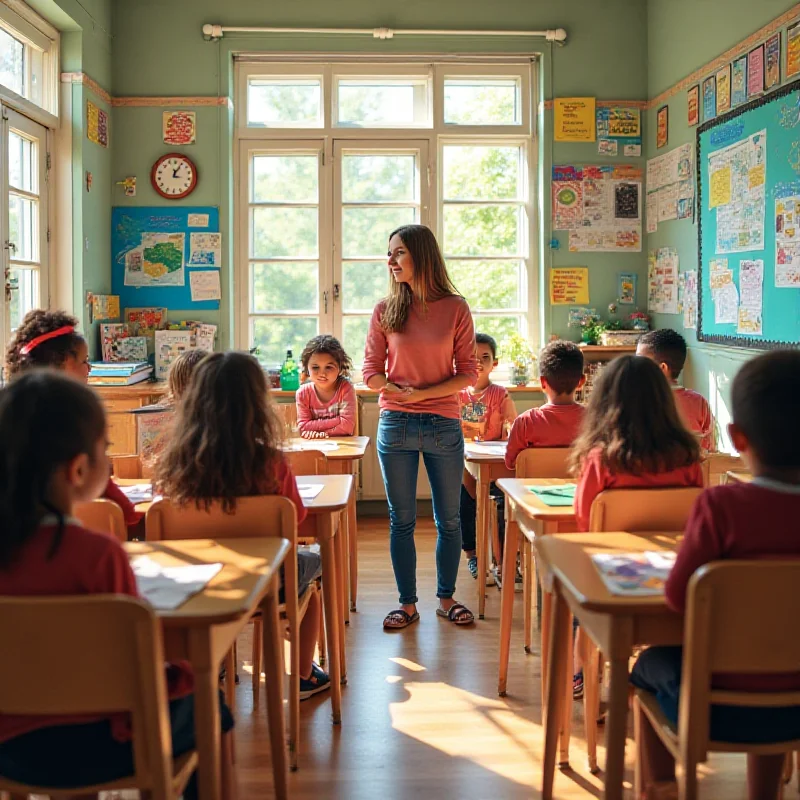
(745, 521)
(556, 423)
(225, 444)
(487, 412)
(50, 339)
(668, 349)
(53, 443)
(180, 373)
(326, 405)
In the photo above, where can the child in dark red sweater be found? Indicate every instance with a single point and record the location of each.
(52, 456)
(746, 521)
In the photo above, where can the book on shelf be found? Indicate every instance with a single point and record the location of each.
(120, 379)
(119, 368)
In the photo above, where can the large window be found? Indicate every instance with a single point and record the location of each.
(333, 157)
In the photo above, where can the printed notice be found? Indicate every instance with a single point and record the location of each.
(751, 292)
(569, 285)
(574, 119)
(198, 221)
(205, 285)
(205, 249)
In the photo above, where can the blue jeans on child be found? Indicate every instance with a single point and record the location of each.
(402, 436)
(658, 670)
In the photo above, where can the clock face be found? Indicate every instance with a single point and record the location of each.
(174, 176)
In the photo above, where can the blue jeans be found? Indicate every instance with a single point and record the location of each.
(401, 439)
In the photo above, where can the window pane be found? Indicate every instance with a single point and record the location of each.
(289, 103)
(482, 101)
(36, 58)
(388, 178)
(24, 294)
(488, 284)
(12, 63)
(365, 231)
(288, 179)
(21, 171)
(284, 232)
(275, 335)
(354, 333)
(484, 230)
(482, 173)
(498, 326)
(21, 222)
(364, 103)
(286, 286)
(364, 284)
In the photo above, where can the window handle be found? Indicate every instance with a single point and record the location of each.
(11, 246)
(336, 291)
(325, 300)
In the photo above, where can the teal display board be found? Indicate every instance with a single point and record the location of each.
(748, 179)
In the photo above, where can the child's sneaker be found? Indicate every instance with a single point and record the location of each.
(577, 685)
(317, 682)
(518, 587)
(472, 565)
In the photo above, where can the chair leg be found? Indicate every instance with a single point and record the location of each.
(591, 699)
(258, 647)
(322, 644)
(638, 782)
(527, 586)
(797, 758)
(788, 768)
(687, 781)
(230, 678)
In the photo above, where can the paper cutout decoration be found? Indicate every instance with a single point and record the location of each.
(693, 105)
(569, 286)
(662, 126)
(574, 119)
(179, 127)
(105, 306)
(772, 61)
(96, 124)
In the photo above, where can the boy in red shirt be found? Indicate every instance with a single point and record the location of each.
(556, 423)
(668, 349)
(745, 521)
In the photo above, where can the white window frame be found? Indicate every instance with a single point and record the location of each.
(522, 67)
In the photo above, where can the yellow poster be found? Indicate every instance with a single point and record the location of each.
(720, 194)
(756, 176)
(569, 286)
(574, 119)
(96, 124)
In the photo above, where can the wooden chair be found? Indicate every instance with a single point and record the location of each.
(715, 467)
(115, 663)
(103, 516)
(730, 627)
(266, 515)
(130, 467)
(635, 511)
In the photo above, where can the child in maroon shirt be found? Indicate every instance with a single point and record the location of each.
(745, 521)
(53, 455)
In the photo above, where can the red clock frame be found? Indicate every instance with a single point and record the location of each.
(159, 162)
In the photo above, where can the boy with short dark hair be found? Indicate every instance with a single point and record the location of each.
(742, 521)
(556, 423)
(668, 349)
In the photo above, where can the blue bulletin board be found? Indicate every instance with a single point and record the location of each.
(146, 251)
(748, 176)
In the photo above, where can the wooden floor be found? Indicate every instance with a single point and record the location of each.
(421, 715)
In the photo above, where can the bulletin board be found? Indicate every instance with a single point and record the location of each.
(152, 255)
(748, 178)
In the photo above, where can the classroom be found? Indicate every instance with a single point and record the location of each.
(399, 400)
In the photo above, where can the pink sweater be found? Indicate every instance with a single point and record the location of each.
(434, 346)
(336, 418)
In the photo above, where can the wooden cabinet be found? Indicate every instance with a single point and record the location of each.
(119, 401)
(595, 359)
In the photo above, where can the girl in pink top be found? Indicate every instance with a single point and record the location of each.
(326, 406)
(420, 353)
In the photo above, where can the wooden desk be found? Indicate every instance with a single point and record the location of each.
(205, 627)
(737, 476)
(119, 401)
(485, 467)
(344, 461)
(615, 623)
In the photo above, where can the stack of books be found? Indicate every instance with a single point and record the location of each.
(122, 373)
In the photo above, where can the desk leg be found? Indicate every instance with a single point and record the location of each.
(353, 549)
(527, 590)
(340, 551)
(344, 566)
(507, 598)
(566, 717)
(331, 609)
(275, 680)
(616, 727)
(547, 611)
(482, 500)
(556, 677)
(206, 714)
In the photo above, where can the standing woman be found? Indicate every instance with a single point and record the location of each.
(420, 353)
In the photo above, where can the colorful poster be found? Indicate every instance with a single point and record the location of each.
(567, 204)
(579, 316)
(569, 286)
(618, 127)
(652, 212)
(157, 261)
(687, 298)
(105, 306)
(574, 119)
(152, 432)
(723, 293)
(169, 345)
(197, 221)
(205, 285)
(772, 59)
(626, 288)
(787, 243)
(751, 293)
(146, 321)
(709, 98)
(607, 147)
(96, 124)
(793, 50)
(693, 105)
(739, 81)
(116, 344)
(205, 249)
(662, 126)
(670, 186)
(179, 127)
(755, 71)
(662, 279)
(724, 90)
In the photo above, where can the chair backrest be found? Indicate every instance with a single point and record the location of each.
(128, 467)
(716, 465)
(641, 510)
(307, 462)
(543, 462)
(736, 623)
(103, 516)
(110, 657)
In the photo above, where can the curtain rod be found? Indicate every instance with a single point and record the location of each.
(213, 33)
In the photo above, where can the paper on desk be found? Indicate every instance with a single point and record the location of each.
(138, 493)
(308, 491)
(490, 448)
(170, 587)
(309, 444)
(634, 573)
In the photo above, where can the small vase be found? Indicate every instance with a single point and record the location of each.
(520, 374)
(641, 325)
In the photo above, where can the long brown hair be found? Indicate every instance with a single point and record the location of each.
(430, 282)
(633, 419)
(226, 437)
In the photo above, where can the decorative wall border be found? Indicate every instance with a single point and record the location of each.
(640, 104)
(82, 77)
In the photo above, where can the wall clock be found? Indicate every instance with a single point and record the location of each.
(174, 176)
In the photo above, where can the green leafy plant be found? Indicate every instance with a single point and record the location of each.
(516, 350)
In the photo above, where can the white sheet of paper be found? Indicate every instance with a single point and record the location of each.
(138, 493)
(205, 285)
(308, 491)
(170, 587)
(489, 448)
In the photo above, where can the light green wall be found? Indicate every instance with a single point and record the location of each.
(705, 30)
(605, 57)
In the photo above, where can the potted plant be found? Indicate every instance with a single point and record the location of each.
(639, 321)
(517, 351)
